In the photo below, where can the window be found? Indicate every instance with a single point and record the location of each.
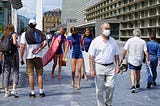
(131, 25)
(125, 1)
(131, 0)
(144, 3)
(131, 16)
(145, 23)
(130, 33)
(152, 2)
(125, 9)
(137, 15)
(144, 13)
(142, 23)
(137, 6)
(152, 12)
(124, 25)
(125, 17)
(131, 7)
(121, 11)
(137, 24)
(120, 3)
(145, 32)
(152, 22)
(125, 33)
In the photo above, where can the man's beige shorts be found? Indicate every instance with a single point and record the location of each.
(35, 63)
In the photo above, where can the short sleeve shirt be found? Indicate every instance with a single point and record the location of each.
(75, 43)
(103, 52)
(135, 47)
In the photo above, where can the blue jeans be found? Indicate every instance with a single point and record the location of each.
(154, 63)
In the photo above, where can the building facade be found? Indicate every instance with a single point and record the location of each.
(22, 23)
(143, 14)
(51, 19)
(74, 10)
(5, 14)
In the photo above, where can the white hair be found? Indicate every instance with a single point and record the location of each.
(136, 32)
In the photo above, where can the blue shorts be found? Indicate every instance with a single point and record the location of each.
(136, 68)
(77, 55)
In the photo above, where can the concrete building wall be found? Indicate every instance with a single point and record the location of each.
(143, 14)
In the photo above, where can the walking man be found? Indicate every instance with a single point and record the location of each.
(103, 52)
(136, 48)
(33, 41)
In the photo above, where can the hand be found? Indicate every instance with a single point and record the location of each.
(148, 63)
(22, 62)
(117, 69)
(35, 51)
(92, 73)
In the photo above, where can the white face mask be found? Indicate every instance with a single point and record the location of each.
(106, 32)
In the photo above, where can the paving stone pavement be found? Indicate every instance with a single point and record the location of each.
(60, 93)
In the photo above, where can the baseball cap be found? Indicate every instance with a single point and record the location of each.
(32, 21)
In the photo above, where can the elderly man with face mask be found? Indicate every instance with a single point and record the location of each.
(103, 52)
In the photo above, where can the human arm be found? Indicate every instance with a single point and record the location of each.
(124, 52)
(147, 57)
(14, 37)
(22, 50)
(43, 44)
(158, 54)
(66, 49)
(117, 64)
(82, 44)
(91, 64)
(146, 54)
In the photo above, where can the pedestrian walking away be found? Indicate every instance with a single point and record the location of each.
(11, 60)
(87, 37)
(153, 50)
(75, 41)
(32, 42)
(102, 65)
(59, 53)
(136, 53)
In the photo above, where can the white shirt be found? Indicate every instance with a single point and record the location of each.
(49, 36)
(30, 48)
(135, 47)
(103, 52)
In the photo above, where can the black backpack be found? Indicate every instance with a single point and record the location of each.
(7, 46)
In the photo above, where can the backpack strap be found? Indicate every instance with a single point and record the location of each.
(36, 37)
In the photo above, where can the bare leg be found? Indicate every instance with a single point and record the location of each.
(60, 66)
(31, 82)
(138, 76)
(132, 76)
(80, 63)
(40, 82)
(54, 65)
(73, 62)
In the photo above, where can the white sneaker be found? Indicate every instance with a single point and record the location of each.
(7, 94)
(14, 93)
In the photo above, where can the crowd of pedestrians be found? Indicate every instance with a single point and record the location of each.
(103, 58)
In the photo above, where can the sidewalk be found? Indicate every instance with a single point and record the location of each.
(59, 92)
